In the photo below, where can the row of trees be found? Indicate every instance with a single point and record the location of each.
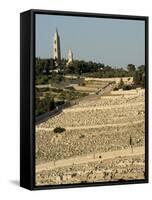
(44, 66)
(138, 79)
(44, 70)
(80, 67)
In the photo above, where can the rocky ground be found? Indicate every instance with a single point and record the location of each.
(96, 125)
(120, 168)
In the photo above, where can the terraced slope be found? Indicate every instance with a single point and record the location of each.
(93, 127)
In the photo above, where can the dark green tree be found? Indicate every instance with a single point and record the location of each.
(131, 68)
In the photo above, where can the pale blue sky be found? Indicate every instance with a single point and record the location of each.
(114, 42)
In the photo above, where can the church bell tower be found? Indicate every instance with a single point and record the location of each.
(70, 57)
(56, 48)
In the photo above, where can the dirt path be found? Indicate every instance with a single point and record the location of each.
(92, 126)
(89, 158)
(78, 109)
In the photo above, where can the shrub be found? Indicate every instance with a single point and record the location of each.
(59, 130)
(114, 89)
(81, 136)
(127, 87)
